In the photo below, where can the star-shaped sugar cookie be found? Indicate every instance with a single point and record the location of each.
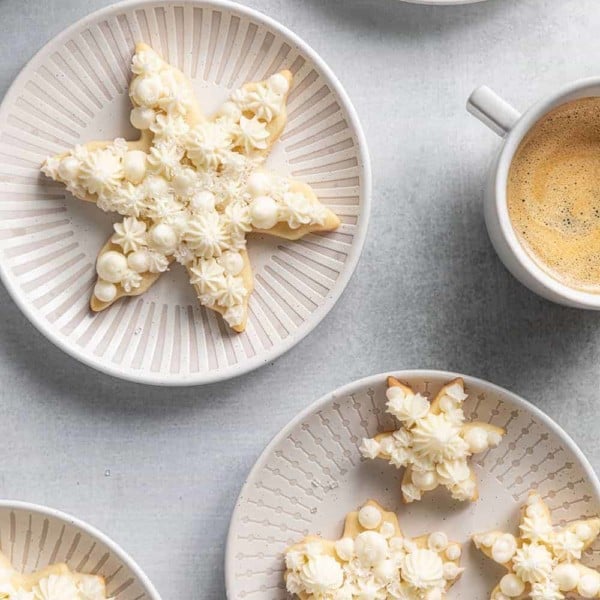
(372, 560)
(543, 563)
(434, 443)
(55, 582)
(191, 188)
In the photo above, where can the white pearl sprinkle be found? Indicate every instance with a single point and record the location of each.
(105, 291)
(142, 117)
(369, 517)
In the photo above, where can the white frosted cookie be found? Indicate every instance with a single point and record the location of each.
(55, 582)
(372, 559)
(543, 563)
(191, 188)
(435, 443)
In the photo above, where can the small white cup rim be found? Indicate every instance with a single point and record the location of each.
(512, 141)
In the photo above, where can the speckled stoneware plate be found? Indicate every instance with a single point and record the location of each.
(33, 536)
(312, 474)
(75, 90)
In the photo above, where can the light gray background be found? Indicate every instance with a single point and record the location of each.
(159, 469)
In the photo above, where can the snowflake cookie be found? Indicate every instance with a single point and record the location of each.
(55, 582)
(372, 560)
(434, 443)
(191, 188)
(543, 563)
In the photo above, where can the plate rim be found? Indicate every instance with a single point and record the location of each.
(346, 389)
(122, 555)
(443, 2)
(230, 371)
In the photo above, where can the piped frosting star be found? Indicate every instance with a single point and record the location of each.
(55, 582)
(434, 443)
(373, 560)
(543, 563)
(191, 188)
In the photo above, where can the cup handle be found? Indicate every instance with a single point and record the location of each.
(492, 110)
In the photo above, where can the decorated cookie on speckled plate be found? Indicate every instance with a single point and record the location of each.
(543, 562)
(191, 188)
(435, 443)
(372, 559)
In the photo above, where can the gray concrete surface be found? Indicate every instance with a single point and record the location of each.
(159, 469)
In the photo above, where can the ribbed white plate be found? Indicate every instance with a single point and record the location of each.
(312, 474)
(33, 537)
(75, 90)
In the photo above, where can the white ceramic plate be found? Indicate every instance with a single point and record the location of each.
(33, 537)
(443, 2)
(75, 90)
(312, 474)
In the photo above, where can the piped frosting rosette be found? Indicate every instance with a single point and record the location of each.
(434, 443)
(543, 563)
(374, 560)
(191, 188)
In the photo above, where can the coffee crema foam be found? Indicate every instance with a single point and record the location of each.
(554, 193)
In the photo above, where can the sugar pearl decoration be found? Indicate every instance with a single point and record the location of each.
(477, 439)
(147, 90)
(504, 548)
(105, 291)
(511, 585)
(184, 182)
(370, 548)
(589, 585)
(264, 212)
(142, 117)
(134, 165)
(278, 83)
(369, 517)
(344, 548)
(437, 541)
(425, 480)
(111, 266)
(258, 184)
(164, 237)
(203, 201)
(232, 262)
(68, 168)
(453, 552)
(139, 261)
(566, 576)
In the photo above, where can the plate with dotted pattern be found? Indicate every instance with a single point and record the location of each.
(312, 474)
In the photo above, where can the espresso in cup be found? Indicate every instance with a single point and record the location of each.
(553, 194)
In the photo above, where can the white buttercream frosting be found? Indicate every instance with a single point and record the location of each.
(435, 443)
(376, 564)
(130, 234)
(543, 563)
(193, 193)
(50, 584)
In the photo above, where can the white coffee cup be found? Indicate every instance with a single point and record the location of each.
(507, 122)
